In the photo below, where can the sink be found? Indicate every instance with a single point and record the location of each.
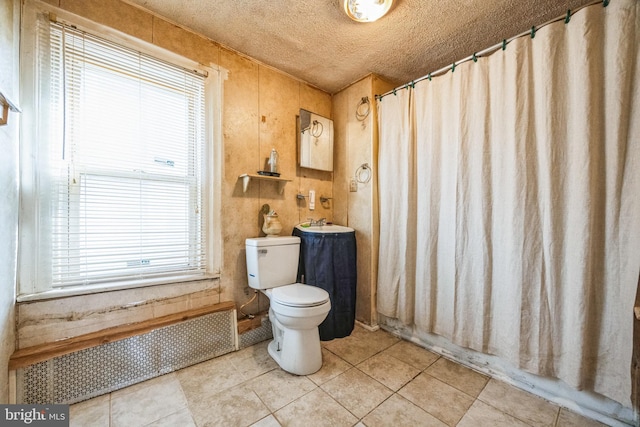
(328, 260)
(330, 228)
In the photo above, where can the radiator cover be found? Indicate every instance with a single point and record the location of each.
(99, 370)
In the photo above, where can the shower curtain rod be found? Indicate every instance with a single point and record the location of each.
(502, 45)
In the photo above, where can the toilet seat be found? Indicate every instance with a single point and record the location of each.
(299, 295)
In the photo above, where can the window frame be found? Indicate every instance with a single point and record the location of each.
(32, 234)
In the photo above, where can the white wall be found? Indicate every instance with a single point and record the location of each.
(9, 21)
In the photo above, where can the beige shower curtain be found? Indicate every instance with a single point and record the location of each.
(510, 201)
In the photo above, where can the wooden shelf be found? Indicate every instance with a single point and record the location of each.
(39, 353)
(247, 177)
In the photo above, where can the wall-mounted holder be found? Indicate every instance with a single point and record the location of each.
(363, 109)
(363, 173)
(247, 177)
(325, 199)
(6, 105)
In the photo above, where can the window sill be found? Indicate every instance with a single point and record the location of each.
(108, 287)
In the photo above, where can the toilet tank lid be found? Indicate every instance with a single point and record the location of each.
(273, 241)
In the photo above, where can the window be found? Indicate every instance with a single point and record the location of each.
(119, 190)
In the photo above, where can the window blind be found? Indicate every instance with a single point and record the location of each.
(126, 155)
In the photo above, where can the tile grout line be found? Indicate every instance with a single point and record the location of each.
(509, 414)
(393, 392)
(352, 366)
(555, 423)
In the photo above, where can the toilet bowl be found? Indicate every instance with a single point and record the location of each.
(295, 310)
(296, 341)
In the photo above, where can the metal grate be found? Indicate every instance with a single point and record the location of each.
(257, 335)
(98, 370)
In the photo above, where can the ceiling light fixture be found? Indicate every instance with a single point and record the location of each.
(366, 10)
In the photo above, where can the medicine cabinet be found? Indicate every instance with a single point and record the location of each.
(315, 141)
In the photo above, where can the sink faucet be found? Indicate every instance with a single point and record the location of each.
(320, 222)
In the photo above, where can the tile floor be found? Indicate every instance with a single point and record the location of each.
(367, 379)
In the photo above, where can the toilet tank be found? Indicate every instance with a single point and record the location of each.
(272, 261)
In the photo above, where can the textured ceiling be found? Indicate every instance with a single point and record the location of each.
(315, 41)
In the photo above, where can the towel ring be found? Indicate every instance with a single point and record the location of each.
(363, 109)
(316, 129)
(363, 173)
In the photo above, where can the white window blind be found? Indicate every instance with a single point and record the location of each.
(127, 140)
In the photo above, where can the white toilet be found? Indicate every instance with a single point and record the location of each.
(296, 309)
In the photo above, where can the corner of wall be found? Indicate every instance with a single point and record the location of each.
(9, 75)
(357, 144)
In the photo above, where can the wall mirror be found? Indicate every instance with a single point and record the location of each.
(315, 141)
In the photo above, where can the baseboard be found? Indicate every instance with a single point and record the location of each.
(370, 328)
(585, 403)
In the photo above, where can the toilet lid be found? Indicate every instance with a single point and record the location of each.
(299, 295)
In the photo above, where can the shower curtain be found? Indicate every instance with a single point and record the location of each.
(510, 201)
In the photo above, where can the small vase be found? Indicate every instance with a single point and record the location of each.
(271, 226)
